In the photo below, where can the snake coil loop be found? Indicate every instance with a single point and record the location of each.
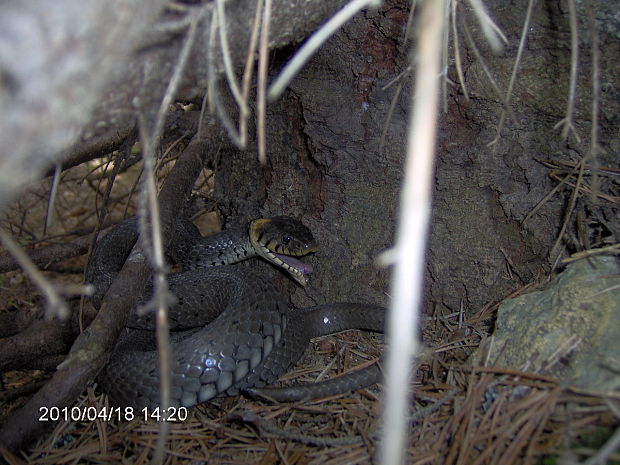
(232, 329)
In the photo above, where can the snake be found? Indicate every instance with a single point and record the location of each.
(231, 328)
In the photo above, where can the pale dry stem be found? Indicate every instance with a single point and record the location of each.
(412, 8)
(49, 216)
(567, 122)
(161, 299)
(263, 61)
(412, 234)
(596, 93)
(480, 59)
(568, 214)
(249, 69)
(513, 76)
(228, 67)
(55, 305)
(456, 46)
(388, 118)
(444, 58)
(212, 96)
(315, 42)
(493, 33)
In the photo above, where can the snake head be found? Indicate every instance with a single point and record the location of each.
(279, 240)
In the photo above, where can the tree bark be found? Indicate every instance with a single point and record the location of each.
(326, 163)
(75, 68)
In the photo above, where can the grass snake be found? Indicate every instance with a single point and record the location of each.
(231, 328)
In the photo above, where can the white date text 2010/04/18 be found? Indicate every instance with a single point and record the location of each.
(93, 413)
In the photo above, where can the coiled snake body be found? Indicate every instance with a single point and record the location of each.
(231, 329)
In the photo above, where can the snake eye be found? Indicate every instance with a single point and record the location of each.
(286, 239)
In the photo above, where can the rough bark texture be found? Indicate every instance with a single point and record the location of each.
(48, 102)
(326, 166)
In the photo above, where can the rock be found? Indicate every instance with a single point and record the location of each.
(569, 331)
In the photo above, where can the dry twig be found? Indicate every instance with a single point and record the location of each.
(411, 237)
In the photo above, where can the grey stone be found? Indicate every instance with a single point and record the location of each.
(570, 330)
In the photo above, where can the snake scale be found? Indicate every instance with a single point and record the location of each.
(231, 328)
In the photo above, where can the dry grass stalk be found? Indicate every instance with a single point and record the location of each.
(411, 236)
(513, 76)
(263, 61)
(161, 294)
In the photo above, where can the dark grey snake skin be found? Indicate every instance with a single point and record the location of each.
(231, 329)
